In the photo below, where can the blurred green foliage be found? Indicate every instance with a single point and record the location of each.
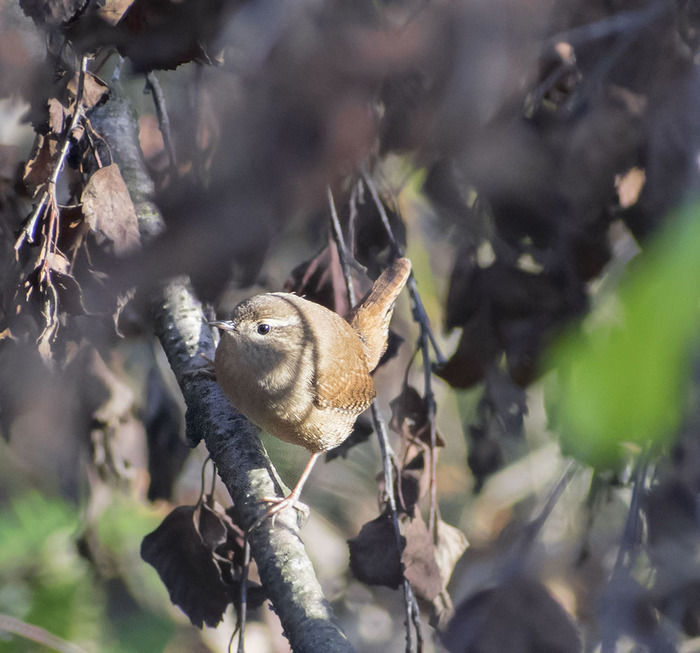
(625, 378)
(44, 580)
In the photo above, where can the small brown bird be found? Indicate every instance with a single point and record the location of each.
(300, 371)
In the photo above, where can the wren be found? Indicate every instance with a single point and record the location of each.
(300, 371)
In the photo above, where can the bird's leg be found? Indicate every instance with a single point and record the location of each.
(291, 501)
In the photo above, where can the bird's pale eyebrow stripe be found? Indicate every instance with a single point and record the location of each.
(278, 322)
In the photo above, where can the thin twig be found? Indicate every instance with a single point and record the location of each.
(600, 29)
(625, 558)
(27, 233)
(244, 595)
(339, 239)
(426, 336)
(533, 528)
(213, 480)
(429, 398)
(203, 479)
(153, 85)
(36, 634)
(419, 314)
(388, 456)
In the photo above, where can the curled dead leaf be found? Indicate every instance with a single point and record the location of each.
(109, 211)
(418, 558)
(185, 565)
(451, 544)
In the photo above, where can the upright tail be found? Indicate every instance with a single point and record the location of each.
(372, 316)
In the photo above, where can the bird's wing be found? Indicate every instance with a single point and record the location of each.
(343, 380)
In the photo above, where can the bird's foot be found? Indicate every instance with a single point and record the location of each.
(279, 504)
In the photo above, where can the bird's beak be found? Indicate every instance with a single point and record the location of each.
(224, 325)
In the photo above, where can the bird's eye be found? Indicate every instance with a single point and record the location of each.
(263, 328)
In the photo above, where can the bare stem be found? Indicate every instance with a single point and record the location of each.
(29, 229)
(628, 546)
(426, 336)
(36, 634)
(419, 314)
(244, 595)
(339, 239)
(388, 456)
(153, 85)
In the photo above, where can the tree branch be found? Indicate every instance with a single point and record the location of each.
(180, 324)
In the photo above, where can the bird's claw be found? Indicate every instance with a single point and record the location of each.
(280, 504)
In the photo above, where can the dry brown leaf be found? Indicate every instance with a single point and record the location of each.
(451, 544)
(6, 334)
(69, 293)
(321, 280)
(95, 91)
(57, 116)
(39, 166)
(418, 558)
(109, 211)
(112, 11)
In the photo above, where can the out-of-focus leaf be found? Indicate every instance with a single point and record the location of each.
(167, 450)
(624, 380)
(373, 556)
(519, 616)
(477, 345)
(629, 185)
(52, 13)
(112, 11)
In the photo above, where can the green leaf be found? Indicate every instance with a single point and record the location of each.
(625, 380)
